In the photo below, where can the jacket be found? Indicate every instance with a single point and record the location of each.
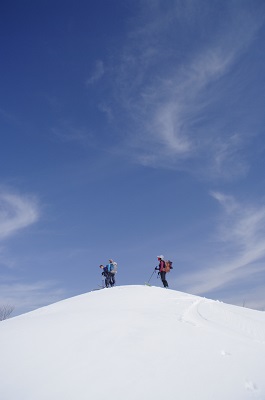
(105, 271)
(162, 266)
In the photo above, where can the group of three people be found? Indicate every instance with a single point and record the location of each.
(110, 270)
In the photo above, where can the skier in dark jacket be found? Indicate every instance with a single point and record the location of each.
(107, 275)
(162, 270)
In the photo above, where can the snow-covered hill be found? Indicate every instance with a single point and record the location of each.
(131, 343)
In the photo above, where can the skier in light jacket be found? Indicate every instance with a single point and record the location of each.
(112, 267)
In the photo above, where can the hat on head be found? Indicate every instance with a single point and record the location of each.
(162, 257)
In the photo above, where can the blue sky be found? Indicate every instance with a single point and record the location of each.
(131, 129)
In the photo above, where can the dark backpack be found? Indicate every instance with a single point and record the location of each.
(105, 271)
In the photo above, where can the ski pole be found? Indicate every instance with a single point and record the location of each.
(151, 276)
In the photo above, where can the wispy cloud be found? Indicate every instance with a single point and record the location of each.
(240, 241)
(16, 212)
(168, 94)
(97, 73)
(242, 224)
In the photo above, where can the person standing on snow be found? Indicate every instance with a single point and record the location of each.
(105, 273)
(112, 267)
(162, 270)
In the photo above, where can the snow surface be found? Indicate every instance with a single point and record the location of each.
(134, 342)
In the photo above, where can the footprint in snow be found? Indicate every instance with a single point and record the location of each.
(251, 386)
(225, 353)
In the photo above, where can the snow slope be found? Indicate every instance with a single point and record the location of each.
(134, 342)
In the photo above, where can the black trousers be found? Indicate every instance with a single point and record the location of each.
(107, 278)
(163, 278)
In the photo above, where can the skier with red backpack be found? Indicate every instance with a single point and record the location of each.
(163, 268)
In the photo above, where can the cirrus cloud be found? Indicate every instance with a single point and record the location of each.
(16, 212)
(239, 250)
(176, 95)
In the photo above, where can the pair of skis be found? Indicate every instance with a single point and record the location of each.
(99, 288)
(146, 283)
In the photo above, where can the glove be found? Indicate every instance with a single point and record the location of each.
(157, 268)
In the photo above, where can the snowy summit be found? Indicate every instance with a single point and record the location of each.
(134, 342)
